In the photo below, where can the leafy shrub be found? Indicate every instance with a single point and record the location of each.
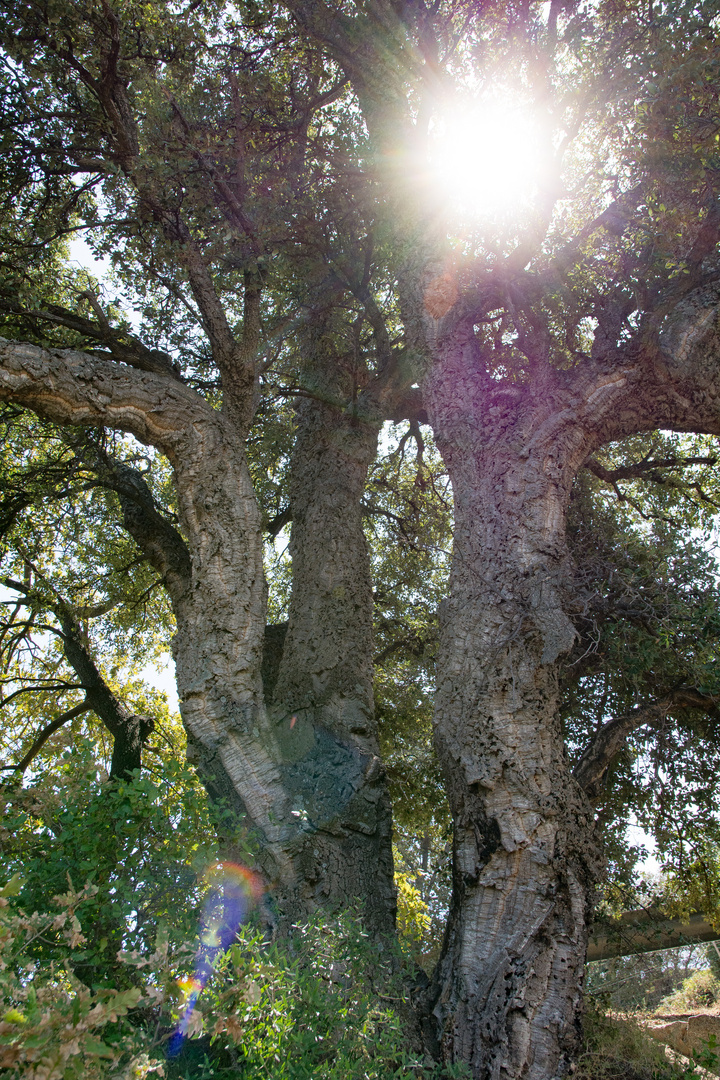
(413, 919)
(97, 982)
(700, 991)
(52, 1026)
(140, 843)
(326, 1003)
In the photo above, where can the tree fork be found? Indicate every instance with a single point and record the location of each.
(243, 752)
(506, 996)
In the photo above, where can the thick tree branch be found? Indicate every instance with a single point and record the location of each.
(234, 359)
(667, 379)
(278, 523)
(159, 541)
(359, 45)
(129, 730)
(123, 346)
(644, 470)
(609, 740)
(70, 387)
(234, 209)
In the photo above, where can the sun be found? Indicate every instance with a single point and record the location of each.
(487, 161)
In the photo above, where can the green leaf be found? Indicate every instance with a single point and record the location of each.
(13, 887)
(97, 1048)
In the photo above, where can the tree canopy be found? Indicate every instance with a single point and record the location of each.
(394, 416)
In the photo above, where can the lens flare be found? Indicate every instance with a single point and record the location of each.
(233, 892)
(488, 160)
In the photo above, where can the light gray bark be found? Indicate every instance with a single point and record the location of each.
(220, 611)
(309, 794)
(507, 992)
(508, 986)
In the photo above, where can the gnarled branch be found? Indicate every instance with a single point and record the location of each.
(129, 730)
(72, 387)
(159, 541)
(45, 734)
(609, 740)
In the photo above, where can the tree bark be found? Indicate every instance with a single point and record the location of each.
(220, 606)
(506, 997)
(323, 708)
(308, 796)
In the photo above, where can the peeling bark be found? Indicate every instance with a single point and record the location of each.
(508, 986)
(506, 996)
(220, 609)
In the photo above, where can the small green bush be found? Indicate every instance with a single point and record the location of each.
(52, 1027)
(327, 1004)
(700, 991)
(712, 955)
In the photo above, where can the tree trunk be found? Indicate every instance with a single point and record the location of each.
(323, 710)
(239, 747)
(506, 996)
(308, 796)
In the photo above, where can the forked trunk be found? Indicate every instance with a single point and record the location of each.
(220, 612)
(506, 997)
(308, 795)
(301, 772)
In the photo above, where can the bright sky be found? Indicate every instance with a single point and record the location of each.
(162, 677)
(637, 837)
(80, 253)
(487, 159)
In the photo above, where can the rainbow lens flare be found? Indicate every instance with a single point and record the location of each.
(233, 892)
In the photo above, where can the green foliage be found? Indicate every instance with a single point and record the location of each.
(59, 520)
(235, 92)
(63, 552)
(409, 503)
(700, 991)
(139, 845)
(52, 1026)
(413, 921)
(712, 956)
(641, 535)
(328, 1004)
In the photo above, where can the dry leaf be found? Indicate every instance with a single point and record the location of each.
(252, 993)
(234, 1028)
